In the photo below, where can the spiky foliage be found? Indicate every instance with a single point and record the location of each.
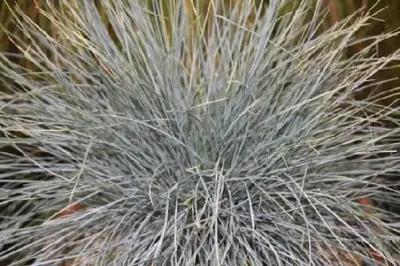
(199, 135)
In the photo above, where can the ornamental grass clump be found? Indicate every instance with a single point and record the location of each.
(195, 133)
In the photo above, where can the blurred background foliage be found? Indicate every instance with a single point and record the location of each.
(387, 20)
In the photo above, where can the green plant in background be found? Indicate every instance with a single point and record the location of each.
(194, 133)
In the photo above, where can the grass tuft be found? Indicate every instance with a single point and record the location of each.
(195, 134)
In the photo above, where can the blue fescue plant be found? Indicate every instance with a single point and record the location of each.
(195, 133)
